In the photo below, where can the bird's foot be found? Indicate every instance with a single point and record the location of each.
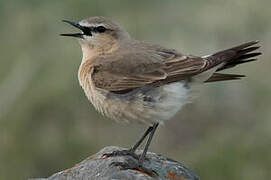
(135, 166)
(128, 152)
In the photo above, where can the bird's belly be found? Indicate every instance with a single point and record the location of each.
(171, 100)
(145, 105)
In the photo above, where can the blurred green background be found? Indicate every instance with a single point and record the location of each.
(47, 123)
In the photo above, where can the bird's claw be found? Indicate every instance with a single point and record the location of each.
(134, 166)
(122, 153)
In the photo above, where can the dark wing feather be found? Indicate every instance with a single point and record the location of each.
(155, 66)
(122, 83)
(128, 70)
(224, 77)
(232, 57)
(237, 55)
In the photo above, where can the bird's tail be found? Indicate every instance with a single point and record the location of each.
(231, 57)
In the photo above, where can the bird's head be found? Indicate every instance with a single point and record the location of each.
(98, 32)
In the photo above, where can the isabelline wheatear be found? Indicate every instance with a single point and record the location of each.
(130, 80)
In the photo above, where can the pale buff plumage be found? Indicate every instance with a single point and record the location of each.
(132, 108)
(126, 79)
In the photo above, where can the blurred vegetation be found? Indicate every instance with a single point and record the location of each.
(47, 124)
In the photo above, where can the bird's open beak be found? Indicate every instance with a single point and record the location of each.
(78, 35)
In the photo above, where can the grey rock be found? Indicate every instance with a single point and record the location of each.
(98, 167)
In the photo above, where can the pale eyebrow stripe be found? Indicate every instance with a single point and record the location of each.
(91, 25)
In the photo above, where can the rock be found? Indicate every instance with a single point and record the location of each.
(97, 167)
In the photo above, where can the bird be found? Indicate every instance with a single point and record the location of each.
(129, 80)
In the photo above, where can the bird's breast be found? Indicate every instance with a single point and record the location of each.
(145, 105)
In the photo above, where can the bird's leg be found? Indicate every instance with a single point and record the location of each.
(139, 164)
(131, 151)
(137, 144)
(143, 155)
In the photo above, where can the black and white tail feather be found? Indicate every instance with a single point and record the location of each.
(232, 57)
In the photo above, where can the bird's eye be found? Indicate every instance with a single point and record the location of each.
(100, 29)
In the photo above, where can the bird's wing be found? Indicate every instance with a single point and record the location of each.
(155, 66)
(127, 71)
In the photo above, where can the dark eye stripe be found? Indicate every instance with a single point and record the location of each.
(86, 30)
(99, 29)
(89, 30)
